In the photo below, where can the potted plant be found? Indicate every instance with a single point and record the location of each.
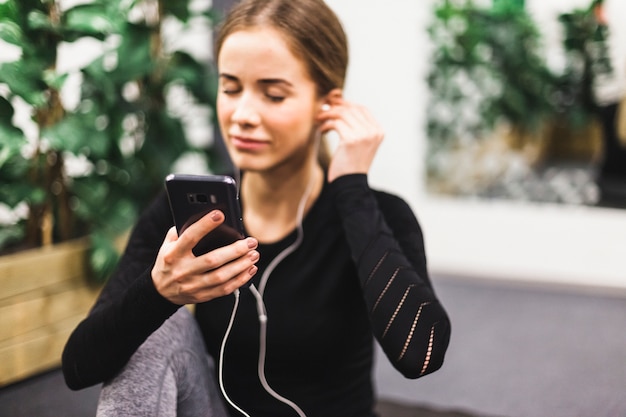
(84, 146)
(487, 72)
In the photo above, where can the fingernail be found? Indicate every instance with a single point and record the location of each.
(253, 270)
(216, 215)
(252, 243)
(253, 255)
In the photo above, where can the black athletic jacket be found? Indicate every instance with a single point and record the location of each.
(359, 272)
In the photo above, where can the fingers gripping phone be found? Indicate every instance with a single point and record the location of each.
(193, 196)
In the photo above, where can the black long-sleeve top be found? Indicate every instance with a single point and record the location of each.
(359, 272)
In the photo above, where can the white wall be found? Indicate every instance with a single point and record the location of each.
(500, 240)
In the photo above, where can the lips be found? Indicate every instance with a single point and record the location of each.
(247, 144)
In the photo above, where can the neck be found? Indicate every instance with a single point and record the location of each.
(271, 200)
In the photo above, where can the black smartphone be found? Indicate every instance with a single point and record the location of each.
(193, 196)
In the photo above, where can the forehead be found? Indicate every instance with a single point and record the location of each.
(263, 51)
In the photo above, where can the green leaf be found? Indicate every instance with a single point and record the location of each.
(198, 79)
(67, 134)
(99, 85)
(213, 15)
(37, 20)
(11, 33)
(92, 193)
(103, 256)
(21, 77)
(88, 19)
(119, 214)
(179, 9)
(10, 234)
(108, 207)
(6, 110)
(77, 134)
(134, 58)
(16, 192)
(12, 141)
(8, 11)
(10, 155)
(53, 79)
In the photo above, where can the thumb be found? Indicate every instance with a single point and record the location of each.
(172, 235)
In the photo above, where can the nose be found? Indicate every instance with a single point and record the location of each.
(246, 112)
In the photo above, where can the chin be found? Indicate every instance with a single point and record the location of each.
(250, 164)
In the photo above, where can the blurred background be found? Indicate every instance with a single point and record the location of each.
(500, 104)
(507, 106)
(504, 131)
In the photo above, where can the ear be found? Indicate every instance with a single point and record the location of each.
(334, 95)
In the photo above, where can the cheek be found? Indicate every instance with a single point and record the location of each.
(296, 120)
(224, 110)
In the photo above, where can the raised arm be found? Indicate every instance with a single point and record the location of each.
(387, 246)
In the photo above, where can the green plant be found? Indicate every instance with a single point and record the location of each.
(487, 67)
(86, 168)
(588, 64)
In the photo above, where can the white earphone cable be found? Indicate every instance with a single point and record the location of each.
(221, 358)
(262, 351)
(258, 294)
(262, 313)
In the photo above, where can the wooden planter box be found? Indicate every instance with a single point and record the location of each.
(43, 296)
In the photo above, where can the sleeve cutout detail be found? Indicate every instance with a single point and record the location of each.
(384, 291)
(429, 351)
(410, 336)
(398, 308)
(380, 262)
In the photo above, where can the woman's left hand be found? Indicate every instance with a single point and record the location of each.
(359, 137)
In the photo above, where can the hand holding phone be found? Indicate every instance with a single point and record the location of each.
(183, 272)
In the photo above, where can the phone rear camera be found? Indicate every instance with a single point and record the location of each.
(195, 198)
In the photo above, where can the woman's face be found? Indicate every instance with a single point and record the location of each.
(266, 103)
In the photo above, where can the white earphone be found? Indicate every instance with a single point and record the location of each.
(258, 294)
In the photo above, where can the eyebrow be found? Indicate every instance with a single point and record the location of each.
(272, 81)
(264, 81)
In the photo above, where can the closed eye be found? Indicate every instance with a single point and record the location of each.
(275, 98)
(276, 89)
(231, 91)
(229, 85)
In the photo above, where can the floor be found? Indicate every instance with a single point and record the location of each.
(46, 396)
(524, 351)
(516, 351)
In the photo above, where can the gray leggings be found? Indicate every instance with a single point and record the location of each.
(170, 374)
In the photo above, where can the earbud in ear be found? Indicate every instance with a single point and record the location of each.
(325, 107)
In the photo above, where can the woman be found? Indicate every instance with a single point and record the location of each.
(331, 261)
